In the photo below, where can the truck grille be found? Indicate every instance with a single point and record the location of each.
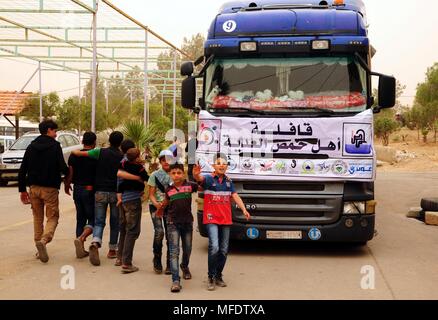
(297, 204)
(284, 186)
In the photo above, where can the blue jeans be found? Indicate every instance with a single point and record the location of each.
(84, 202)
(218, 244)
(160, 231)
(102, 200)
(175, 232)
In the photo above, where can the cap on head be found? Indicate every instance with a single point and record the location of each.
(165, 153)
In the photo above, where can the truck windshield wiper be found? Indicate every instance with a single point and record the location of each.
(242, 108)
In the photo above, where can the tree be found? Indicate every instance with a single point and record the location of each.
(384, 127)
(150, 138)
(68, 115)
(31, 110)
(194, 46)
(101, 118)
(426, 99)
(100, 91)
(399, 90)
(135, 83)
(118, 103)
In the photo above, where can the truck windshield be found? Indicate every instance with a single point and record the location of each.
(289, 85)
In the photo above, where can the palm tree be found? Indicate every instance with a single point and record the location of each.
(150, 138)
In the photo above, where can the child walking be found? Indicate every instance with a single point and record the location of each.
(129, 200)
(218, 193)
(179, 223)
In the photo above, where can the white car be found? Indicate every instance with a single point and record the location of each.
(6, 142)
(10, 160)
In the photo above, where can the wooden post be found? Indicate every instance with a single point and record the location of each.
(17, 127)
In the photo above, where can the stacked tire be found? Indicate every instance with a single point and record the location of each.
(430, 210)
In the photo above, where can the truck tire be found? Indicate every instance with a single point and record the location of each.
(429, 204)
(3, 183)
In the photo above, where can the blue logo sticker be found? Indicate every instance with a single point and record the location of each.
(315, 234)
(358, 139)
(253, 233)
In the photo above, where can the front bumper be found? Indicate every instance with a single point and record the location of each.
(7, 174)
(362, 230)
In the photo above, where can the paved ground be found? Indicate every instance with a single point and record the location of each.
(404, 255)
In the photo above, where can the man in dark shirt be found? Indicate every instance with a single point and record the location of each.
(179, 221)
(108, 162)
(41, 170)
(83, 175)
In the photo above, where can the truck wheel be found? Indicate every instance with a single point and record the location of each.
(3, 183)
(429, 204)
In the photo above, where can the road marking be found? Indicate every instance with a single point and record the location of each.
(19, 224)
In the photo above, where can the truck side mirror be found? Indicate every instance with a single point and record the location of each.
(387, 89)
(187, 69)
(188, 93)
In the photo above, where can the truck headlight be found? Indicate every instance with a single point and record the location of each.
(354, 208)
(368, 207)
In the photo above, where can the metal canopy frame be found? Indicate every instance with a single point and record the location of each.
(93, 38)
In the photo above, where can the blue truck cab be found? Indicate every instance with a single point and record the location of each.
(287, 96)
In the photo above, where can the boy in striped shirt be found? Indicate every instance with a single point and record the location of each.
(179, 221)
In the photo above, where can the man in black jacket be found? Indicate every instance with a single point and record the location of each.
(41, 170)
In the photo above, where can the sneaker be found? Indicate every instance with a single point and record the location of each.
(186, 273)
(158, 267)
(167, 271)
(118, 262)
(112, 254)
(211, 284)
(94, 255)
(80, 251)
(42, 251)
(176, 287)
(220, 282)
(129, 269)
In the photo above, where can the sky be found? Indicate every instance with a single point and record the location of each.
(405, 34)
